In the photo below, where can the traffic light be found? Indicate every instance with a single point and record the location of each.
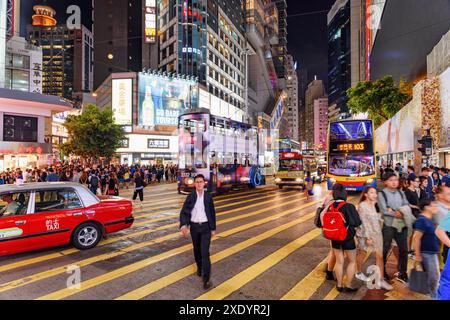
(426, 145)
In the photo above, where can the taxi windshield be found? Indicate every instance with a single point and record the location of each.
(291, 165)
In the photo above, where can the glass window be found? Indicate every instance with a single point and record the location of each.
(357, 166)
(55, 200)
(14, 204)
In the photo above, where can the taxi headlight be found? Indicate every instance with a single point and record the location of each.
(277, 180)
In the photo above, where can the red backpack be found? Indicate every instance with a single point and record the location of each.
(333, 224)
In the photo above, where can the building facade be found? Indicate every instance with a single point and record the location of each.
(315, 91)
(67, 54)
(205, 39)
(23, 66)
(320, 123)
(23, 117)
(292, 99)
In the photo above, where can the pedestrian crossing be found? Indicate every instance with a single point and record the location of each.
(258, 230)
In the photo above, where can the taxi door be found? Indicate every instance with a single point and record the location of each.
(56, 213)
(14, 226)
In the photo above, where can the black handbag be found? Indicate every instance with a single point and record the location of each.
(317, 221)
(418, 281)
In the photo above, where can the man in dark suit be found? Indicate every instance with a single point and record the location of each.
(199, 214)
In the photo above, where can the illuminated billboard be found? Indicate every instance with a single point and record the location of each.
(162, 99)
(122, 101)
(150, 21)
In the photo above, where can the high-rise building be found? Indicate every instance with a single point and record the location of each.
(345, 53)
(315, 91)
(320, 123)
(292, 99)
(205, 39)
(280, 50)
(67, 54)
(120, 40)
(302, 77)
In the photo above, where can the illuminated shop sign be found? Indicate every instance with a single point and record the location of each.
(150, 21)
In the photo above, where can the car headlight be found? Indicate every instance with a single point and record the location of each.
(277, 180)
(369, 181)
(298, 180)
(190, 181)
(244, 179)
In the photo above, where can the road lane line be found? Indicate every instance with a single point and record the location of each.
(238, 281)
(308, 285)
(87, 284)
(63, 253)
(178, 275)
(228, 211)
(46, 274)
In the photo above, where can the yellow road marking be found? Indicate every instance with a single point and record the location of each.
(63, 293)
(178, 275)
(238, 281)
(308, 285)
(126, 236)
(45, 274)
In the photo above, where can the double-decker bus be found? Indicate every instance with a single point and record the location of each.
(351, 156)
(223, 150)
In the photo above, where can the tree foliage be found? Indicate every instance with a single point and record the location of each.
(380, 99)
(92, 134)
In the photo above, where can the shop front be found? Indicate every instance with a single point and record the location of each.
(15, 155)
(149, 150)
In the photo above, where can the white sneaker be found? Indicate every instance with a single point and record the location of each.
(386, 286)
(361, 276)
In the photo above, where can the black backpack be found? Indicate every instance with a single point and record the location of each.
(94, 181)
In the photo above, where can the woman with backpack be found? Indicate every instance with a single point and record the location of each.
(113, 185)
(339, 223)
(139, 186)
(369, 235)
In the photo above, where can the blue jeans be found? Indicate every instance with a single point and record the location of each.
(430, 262)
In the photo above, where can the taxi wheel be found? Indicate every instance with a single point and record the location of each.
(86, 236)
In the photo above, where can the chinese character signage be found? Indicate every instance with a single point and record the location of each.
(150, 21)
(162, 99)
(158, 144)
(122, 101)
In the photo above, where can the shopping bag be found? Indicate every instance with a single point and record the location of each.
(418, 280)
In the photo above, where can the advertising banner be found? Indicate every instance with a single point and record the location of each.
(122, 101)
(163, 99)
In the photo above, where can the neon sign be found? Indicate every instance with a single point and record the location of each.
(150, 21)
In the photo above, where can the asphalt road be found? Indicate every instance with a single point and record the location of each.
(266, 248)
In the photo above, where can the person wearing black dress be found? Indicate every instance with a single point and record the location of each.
(412, 194)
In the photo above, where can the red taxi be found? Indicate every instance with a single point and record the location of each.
(42, 215)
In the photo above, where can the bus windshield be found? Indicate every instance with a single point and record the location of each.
(193, 143)
(291, 165)
(351, 165)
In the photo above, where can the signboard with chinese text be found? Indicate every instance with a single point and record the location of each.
(150, 21)
(158, 143)
(122, 101)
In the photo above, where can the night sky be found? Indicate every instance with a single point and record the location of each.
(307, 35)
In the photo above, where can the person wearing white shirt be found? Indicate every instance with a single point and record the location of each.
(198, 217)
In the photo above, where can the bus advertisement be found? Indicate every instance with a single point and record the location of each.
(223, 150)
(351, 156)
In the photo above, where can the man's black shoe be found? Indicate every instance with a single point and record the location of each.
(207, 285)
(330, 275)
(403, 278)
(347, 289)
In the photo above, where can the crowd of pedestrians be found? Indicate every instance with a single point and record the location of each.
(409, 217)
(101, 180)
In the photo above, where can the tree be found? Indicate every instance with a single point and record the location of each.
(92, 134)
(380, 99)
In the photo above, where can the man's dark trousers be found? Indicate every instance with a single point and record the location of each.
(401, 238)
(201, 239)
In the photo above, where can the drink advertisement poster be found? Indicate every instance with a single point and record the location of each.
(162, 99)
